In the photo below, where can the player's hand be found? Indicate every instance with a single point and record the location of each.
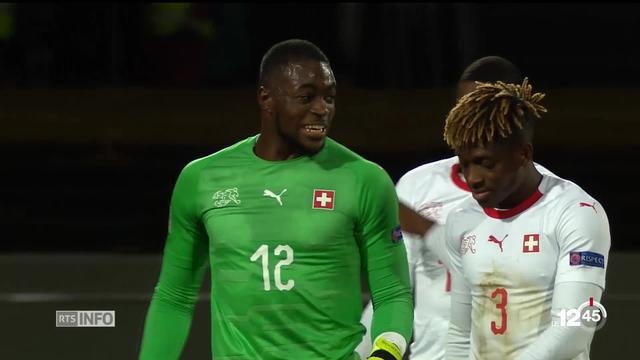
(385, 350)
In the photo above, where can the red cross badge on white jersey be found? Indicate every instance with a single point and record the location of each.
(531, 243)
(324, 199)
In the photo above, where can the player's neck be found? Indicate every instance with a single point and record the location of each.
(270, 149)
(529, 185)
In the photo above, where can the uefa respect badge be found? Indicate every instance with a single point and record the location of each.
(590, 314)
(396, 235)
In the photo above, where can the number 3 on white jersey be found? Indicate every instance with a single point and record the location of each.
(263, 251)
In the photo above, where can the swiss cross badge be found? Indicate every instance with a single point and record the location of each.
(324, 199)
(531, 243)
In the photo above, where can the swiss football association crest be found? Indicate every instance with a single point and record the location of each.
(324, 199)
(223, 197)
(467, 244)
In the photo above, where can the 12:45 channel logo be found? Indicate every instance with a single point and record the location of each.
(590, 314)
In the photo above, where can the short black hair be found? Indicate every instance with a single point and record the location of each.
(283, 52)
(492, 69)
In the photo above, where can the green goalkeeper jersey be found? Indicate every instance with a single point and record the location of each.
(286, 242)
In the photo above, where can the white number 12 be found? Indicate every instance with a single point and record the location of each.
(263, 252)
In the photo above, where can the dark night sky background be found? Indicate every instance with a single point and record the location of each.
(62, 195)
(370, 45)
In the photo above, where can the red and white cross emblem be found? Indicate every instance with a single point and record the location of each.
(531, 243)
(323, 199)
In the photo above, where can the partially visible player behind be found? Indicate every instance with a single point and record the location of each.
(526, 246)
(427, 194)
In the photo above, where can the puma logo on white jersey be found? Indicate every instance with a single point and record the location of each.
(270, 193)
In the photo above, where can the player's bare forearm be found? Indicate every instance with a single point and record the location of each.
(412, 222)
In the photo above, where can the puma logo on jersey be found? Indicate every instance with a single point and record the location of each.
(224, 197)
(493, 239)
(593, 206)
(270, 193)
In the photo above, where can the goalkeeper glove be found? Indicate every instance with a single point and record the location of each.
(385, 350)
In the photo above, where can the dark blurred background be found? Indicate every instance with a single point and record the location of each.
(103, 104)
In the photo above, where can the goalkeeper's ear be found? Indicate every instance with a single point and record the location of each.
(388, 346)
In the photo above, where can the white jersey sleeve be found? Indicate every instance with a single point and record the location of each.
(564, 342)
(431, 190)
(458, 336)
(584, 240)
(415, 247)
(364, 348)
(403, 189)
(437, 244)
(508, 262)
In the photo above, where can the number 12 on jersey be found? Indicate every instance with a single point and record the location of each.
(263, 252)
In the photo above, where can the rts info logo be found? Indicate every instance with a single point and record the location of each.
(82, 318)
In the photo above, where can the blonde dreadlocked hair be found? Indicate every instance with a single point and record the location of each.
(492, 111)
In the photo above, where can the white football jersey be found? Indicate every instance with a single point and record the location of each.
(510, 260)
(431, 190)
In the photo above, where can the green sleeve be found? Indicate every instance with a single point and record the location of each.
(385, 259)
(184, 264)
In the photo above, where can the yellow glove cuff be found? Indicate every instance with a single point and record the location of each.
(384, 349)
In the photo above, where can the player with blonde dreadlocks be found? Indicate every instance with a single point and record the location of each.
(510, 106)
(526, 246)
(502, 115)
(426, 194)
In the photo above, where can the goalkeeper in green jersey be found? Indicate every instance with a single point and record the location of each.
(285, 220)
